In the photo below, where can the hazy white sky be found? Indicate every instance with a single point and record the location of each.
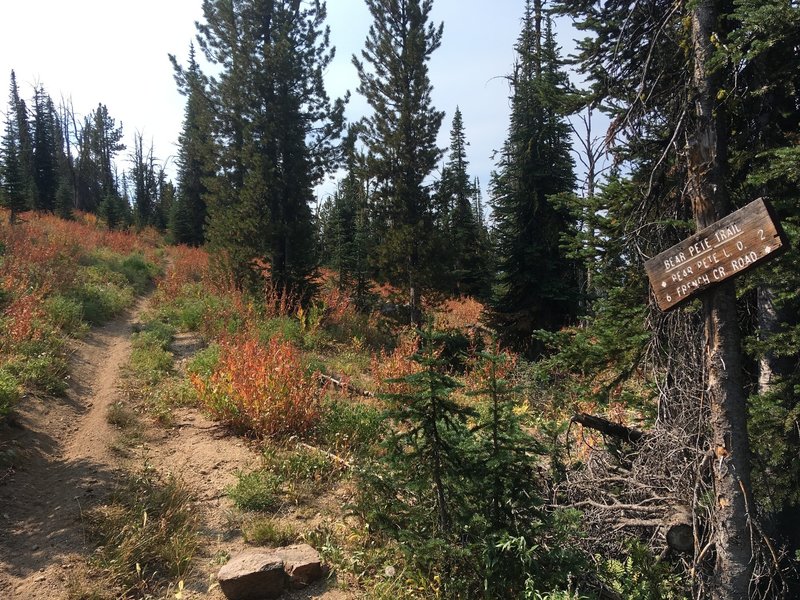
(115, 52)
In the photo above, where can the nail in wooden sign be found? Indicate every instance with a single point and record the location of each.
(722, 250)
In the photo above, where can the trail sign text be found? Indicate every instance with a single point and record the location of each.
(723, 250)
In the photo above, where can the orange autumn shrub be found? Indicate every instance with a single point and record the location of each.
(387, 366)
(261, 389)
(458, 313)
(336, 303)
(186, 266)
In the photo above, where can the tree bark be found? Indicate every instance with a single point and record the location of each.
(724, 391)
(606, 427)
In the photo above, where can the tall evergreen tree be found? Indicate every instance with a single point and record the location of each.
(275, 129)
(14, 195)
(195, 160)
(144, 174)
(99, 141)
(465, 243)
(20, 111)
(46, 151)
(537, 287)
(400, 136)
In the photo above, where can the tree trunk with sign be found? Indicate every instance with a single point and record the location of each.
(724, 390)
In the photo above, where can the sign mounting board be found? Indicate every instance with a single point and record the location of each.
(722, 250)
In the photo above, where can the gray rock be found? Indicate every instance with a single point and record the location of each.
(253, 575)
(301, 563)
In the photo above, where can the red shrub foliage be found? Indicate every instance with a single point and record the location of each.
(261, 389)
(185, 265)
(387, 366)
(336, 304)
(39, 256)
(459, 313)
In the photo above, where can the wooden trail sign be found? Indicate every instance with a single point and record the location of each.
(722, 250)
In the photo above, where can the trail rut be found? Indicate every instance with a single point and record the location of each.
(64, 463)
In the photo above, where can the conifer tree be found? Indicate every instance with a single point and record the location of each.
(465, 245)
(345, 241)
(19, 110)
(424, 452)
(275, 128)
(99, 141)
(195, 155)
(14, 195)
(537, 286)
(400, 136)
(46, 152)
(144, 174)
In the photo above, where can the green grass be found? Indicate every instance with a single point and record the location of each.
(258, 490)
(350, 427)
(41, 365)
(286, 477)
(146, 534)
(151, 360)
(204, 361)
(266, 531)
(286, 328)
(66, 314)
(134, 268)
(10, 392)
(102, 293)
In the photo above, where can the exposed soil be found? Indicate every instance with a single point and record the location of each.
(65, 462)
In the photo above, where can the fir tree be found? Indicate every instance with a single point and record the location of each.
(536, 287)
(275, 129)
(19, 109)
(99, 141)
(144, 174)
(344, 226)
(400, 136)
(423, 454)
(14, 195)
(465, 244)
(195, 155)
(46, 151)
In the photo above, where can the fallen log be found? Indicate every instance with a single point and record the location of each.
(606, 427)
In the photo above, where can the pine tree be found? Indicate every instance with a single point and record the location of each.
(144, 174)
(424, 451)
(537, 287)
(400, 137)
(14, 189)
(19, 109)
(275, 129)
(195, 155)
(46, 152)
(99, 141)
(465, 244)
(344, 225)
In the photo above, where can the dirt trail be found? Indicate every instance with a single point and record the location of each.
(65, 463)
